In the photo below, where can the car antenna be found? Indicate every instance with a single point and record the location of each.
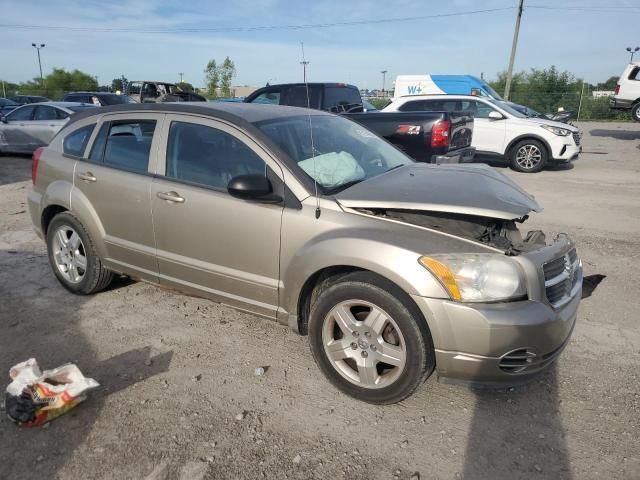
(313, 150)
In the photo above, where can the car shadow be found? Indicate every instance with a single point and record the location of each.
(518, 433)
(590, 283)
(39, 319)
(14, 168)
(618, 134)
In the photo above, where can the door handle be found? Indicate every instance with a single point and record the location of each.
(52, 124)
(87, 177)
(170, 196)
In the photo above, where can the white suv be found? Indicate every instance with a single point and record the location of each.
(500, 132)
(627, 96)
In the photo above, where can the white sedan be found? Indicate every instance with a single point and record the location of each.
(30, 126)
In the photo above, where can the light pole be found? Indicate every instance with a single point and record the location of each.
(181, 75)
(304, 64)
(631, 52)
(384, 77)
(39, 62)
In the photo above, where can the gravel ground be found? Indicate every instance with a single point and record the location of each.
(196, 410)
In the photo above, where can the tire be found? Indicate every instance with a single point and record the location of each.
(386, 326)
(528, 156)
(68, 243)
(635, 112)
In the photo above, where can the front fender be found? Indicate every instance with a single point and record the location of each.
(394, 263)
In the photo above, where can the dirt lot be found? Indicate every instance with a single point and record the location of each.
(198, 411)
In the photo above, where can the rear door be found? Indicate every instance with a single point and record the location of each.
(209, 242)
(302, 96)
(15, 133)
(116, 180)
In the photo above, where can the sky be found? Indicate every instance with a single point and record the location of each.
(157, 39)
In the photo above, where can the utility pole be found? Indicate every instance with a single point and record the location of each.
(384, 77)
(516, 31)
(42, 45)
(181, 75)
(632, 51)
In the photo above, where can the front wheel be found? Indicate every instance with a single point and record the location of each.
(369, 340)
(528, 156)
(635, 112)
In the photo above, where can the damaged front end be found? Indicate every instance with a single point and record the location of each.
(495, 232)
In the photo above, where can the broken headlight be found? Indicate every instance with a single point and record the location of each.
(477, 277)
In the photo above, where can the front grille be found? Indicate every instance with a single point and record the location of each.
(562, 278)
(576, 138)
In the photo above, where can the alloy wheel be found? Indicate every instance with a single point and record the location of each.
(528, 156)
(364, 344)
(69, 254)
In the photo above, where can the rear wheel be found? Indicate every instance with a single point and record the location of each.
(528, 156)
(635, 112)
(369, 340)
(73, 258)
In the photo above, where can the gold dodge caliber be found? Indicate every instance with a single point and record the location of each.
(393, 268)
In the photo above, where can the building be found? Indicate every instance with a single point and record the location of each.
(603, 93)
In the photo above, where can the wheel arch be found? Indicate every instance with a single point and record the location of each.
(528, 136)
(327, 276)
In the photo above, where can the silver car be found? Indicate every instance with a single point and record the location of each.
(34, 125)
(393, 268)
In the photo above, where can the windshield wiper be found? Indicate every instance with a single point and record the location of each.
(344, 186)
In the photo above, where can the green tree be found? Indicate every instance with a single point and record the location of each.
(227, 72)
(186, 86)
(212, 77)
(609, 84)
(118, 84)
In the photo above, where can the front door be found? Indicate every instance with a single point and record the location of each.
(15, 131)
(47, 120)
(209, 242)
(116, 181)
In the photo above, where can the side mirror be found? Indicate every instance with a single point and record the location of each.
(253, 187)
(4, 119)
(495, 115)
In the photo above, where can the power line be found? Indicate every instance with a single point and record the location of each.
(579, 8)
(250, 28)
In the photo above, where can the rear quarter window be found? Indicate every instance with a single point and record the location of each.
(75, 142)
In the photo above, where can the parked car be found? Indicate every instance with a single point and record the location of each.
(627, 92)
(501, 132)
(393, 268)
(432, 137)
(332, 97)
(28, 127)
(26, 99)
(98, 98)
(6, 106)
(150, 91)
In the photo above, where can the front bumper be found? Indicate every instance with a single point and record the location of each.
(503, 343)
(565, 149)
(464, 155)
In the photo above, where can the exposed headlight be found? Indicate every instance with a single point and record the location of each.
(477, 277)
(563, 132)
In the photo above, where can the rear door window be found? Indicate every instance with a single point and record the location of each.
(124, 144)
(297, 96)
(44, 112)
(75, 143)
(421, 106)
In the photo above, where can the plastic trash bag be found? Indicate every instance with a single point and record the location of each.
(34, 397)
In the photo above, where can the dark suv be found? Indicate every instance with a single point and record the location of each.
(332, 97)
(98, 98)
(24, 99)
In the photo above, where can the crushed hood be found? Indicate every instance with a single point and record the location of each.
(471, 189)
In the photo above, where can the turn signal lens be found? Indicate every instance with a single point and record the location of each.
(442, 272)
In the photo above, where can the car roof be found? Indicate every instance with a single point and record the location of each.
(234, 112)
(311, 84)
(438, 96)
(66, 104)
(92, 93)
